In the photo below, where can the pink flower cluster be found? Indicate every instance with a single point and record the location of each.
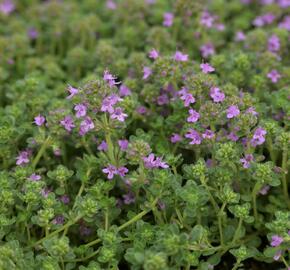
(216, 94)
(108, 106)
(186, 97)
(258, 137)
(109, 78)
(209, 20)
(151, 162)
(111, 171)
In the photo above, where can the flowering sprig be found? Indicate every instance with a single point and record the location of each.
(167, 150)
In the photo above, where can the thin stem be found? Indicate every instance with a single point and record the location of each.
(238, 230)
(28, 232)
(284, 177)
(126, 224)
(54, 232)
(85, 258)
(134, 219)
(220, 216)
(212, 200)
(62, 263)
(106, 219)
(40, 152)
(285, 262)
(157, 215)
(254, 199)
(198, 248)
(86, 146)
(46, 231)
(179, 215)
(237, 265)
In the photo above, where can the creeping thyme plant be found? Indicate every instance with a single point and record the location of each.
(144, 134)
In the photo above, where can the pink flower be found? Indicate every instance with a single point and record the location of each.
(58, 220)
(39, 120)
(265, 19)
(110, 4)
(34, 177)
(123, 144)
(240, 36)
(206, 68)
(273, 44)
(109, 78)
(32, 33)
(208, 134)
(109, 102)
(119, 114)
(103, 146)
(277, 255)
(194, 136)
(220, 27)
(207, 50)
(180, 57)
(285, 24)
(111, 171)
(284, 3)
(45, 192)
(146, 73)
(122, 171)
(168, 19)
(124, 91)
(129, 198)
(264, 190)
(57, 152)
(7, 7)
(258, 137)
(23, 157)
(150, 162)
(160, 164)
(193, 116)
(233, 136)
(175, 138)
(274, 76)
(86, 125)
(81, 110)
(141, 110)
(162, 99)
(266, 2)
(276, 241)
(150, 2)
(153, 54)
(187, 99)
(72, 91)
(246, 161)
(207, 19)
(252, 111)
(67, 123)
(65, 199)
(233, 111)
(216, 94)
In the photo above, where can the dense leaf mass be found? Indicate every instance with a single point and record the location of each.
(144, 134)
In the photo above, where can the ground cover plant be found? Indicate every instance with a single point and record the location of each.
(144, 134)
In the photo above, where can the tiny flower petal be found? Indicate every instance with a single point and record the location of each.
(193, 116)
(180, 57)
(146, 72)
(72, 91)
(153, 54)
(232, 111)
(39, 120)
(206, 68)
